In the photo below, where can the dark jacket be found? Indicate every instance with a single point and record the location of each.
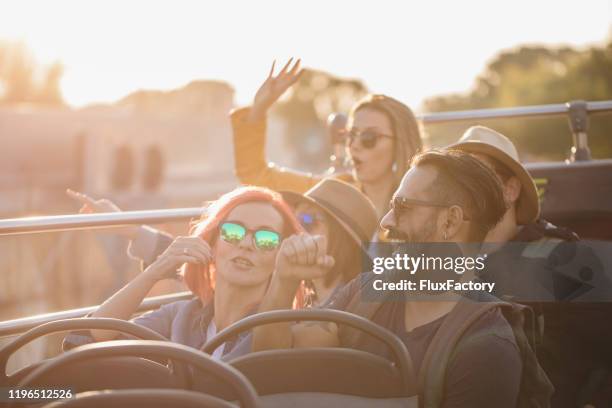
(549, 269)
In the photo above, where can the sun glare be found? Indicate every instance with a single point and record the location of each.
(111, 48)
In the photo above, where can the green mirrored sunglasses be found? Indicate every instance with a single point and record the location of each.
(234, 233)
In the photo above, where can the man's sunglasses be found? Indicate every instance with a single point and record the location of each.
(368, 138)
(309, 221)
(234, 233)
(400, 204)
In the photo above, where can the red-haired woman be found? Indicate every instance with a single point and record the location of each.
(227, 263)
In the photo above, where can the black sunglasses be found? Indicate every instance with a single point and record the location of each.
(368, 138)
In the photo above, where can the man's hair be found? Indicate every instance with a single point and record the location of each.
(465, 181)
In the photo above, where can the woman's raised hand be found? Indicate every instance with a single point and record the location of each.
(303, 257)
(273, 87)
(182, 250)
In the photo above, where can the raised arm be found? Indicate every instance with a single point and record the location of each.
(146, 243)
(124, 303)
(249, 131)
(90, 205)
(273, 88)
(300, 257)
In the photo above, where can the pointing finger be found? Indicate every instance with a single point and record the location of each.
(83, 198)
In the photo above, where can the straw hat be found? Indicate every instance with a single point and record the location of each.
(344, 203)
(480, 139)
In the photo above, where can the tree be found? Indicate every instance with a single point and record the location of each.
(18, 78)
(534, 76)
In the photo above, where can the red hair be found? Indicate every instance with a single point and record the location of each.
(200, 278)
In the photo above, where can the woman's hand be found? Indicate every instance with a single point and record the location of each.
(182, 250)
(303, 257)
(92, 206)
(104, 205)
(300, 257)
(273, 87)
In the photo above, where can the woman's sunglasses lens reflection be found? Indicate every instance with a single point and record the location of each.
(234, 233)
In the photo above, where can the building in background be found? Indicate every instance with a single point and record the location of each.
(105, 150)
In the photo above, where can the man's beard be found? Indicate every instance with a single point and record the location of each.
(426, 234)
(421, 243)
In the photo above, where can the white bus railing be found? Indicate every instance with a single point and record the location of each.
(560, 109)
(577, 113)
(28, 225)
(31, 225)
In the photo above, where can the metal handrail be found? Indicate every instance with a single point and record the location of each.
(518, 112)
(101, 220)
(17, 326)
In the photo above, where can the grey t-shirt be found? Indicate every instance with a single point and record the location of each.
(485, 370)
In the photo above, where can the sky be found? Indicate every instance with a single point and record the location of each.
(407, 49)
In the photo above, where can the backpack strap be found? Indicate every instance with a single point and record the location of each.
(535, 389)
(353, 338)
(432, 374)
(356, 339)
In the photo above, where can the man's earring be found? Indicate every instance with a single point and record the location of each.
(394, 167)
(444, 236)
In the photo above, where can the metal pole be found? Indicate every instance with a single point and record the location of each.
(579, 125)
(102, 220)
(519, 112)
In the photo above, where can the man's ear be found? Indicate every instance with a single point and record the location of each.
(512, 190)
(452, 224)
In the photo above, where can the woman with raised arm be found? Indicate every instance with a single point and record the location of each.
(227, 262)
(383, 135)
